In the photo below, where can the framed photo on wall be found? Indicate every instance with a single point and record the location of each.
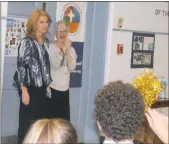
(142, 53)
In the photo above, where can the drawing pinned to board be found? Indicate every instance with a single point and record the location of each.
(142, 53)
(71, 14)
(146, 58)
(148, 43)
(137, 58)
(138, 43)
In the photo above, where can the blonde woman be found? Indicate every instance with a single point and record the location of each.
(51, 131)
(34, 71)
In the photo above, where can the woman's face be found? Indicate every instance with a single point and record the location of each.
(42, 25)
(61, 32)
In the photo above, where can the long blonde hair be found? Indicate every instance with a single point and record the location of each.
(51, 131)
(32, 22)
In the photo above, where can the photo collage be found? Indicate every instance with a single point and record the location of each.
(142, 50)
(15, 31)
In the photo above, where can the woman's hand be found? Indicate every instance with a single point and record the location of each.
(66, 45)
(49, 92)
(25, 96)
(48, 89)
(159, 124)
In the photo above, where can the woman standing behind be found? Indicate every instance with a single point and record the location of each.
(33, 71)
(63, 60)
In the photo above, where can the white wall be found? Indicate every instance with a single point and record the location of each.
(138, 16)
(141, 15)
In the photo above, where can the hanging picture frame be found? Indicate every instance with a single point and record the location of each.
(142, 53)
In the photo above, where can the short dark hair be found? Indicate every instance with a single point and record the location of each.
(119, 109)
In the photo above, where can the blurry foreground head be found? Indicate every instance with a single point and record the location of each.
(119, 111)
(51, 131)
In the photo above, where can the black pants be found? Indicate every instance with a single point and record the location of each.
(59, 104)
(36, 109)
(102, 138)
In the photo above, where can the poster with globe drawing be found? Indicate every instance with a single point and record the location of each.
(74, 13)
(72, 17)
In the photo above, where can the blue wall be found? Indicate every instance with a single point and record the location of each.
(96, 45)
(81, 99)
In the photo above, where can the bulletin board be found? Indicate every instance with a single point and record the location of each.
(142, 53)
(15, 31)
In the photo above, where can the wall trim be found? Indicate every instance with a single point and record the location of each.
(130, 30)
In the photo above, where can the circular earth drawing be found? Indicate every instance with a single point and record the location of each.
(71, 15)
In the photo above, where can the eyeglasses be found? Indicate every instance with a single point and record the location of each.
(60, 31)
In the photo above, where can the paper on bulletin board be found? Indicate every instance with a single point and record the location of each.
(76, 75)
(148, 43)
(15, 31)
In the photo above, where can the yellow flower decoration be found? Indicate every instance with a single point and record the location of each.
(149, 86)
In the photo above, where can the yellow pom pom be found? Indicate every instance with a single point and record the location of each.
(149, 86)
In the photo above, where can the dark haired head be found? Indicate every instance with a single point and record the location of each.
(119, 110)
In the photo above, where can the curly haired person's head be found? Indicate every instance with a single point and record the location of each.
(119, 110)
